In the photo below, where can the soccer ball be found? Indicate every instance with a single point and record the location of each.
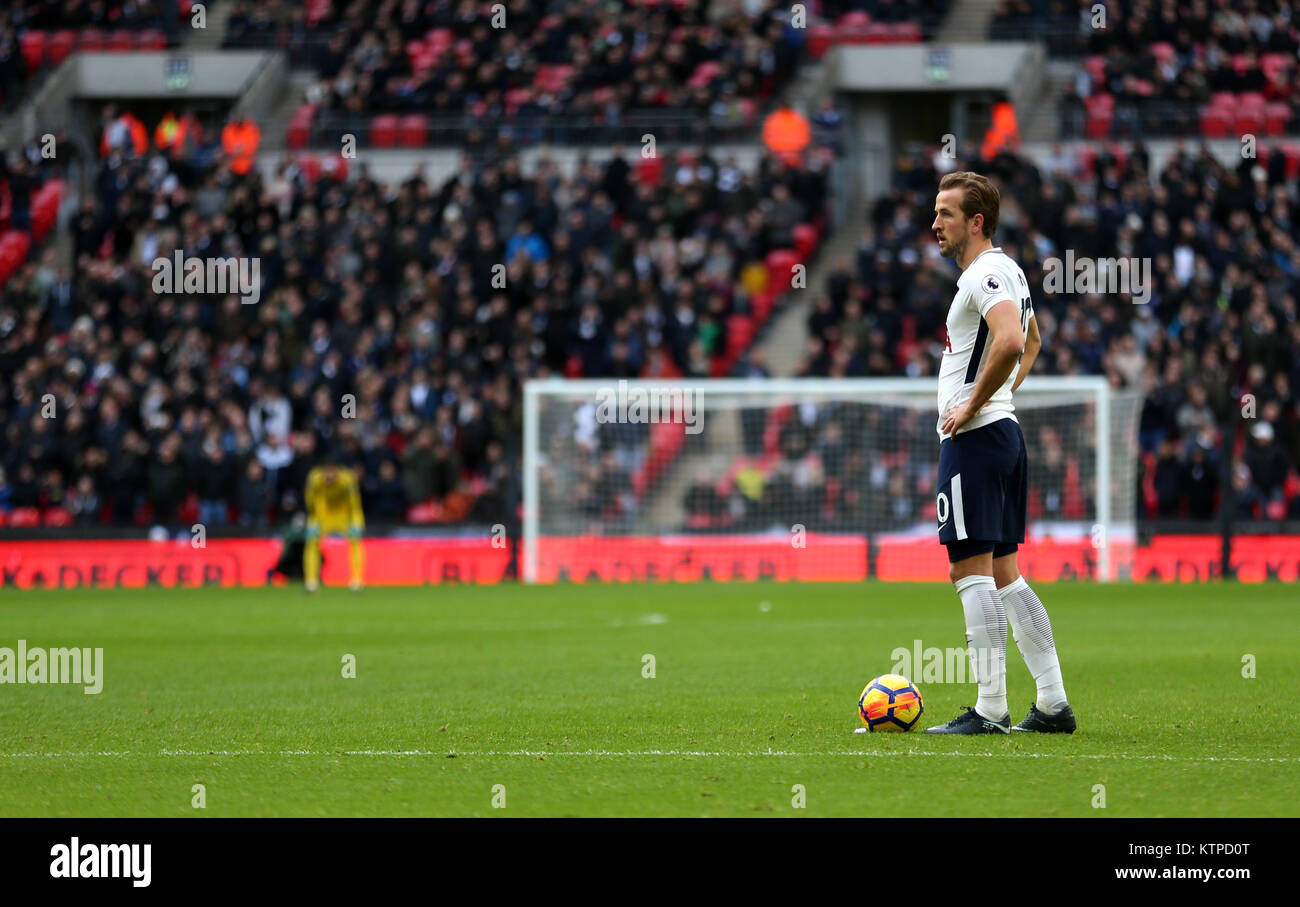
(891, 702)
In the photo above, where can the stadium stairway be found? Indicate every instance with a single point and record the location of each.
(967, 22)
(212, 36)
(1040, 120)
(783, 344)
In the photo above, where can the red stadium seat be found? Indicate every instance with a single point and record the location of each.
(413, 131)
(1276, 117)
(1274, 63)
(151, 39)
(820, 38)
(25, 517)
(805, 240)
(879, 33)
(57, 516)
(59, 45)
(907, 32)
(383, 131)
(1163, 51)
(91, 39)
(122, 41)
(740, 333)
(780, 269)
(299, 135)
(335, 167)
(514, 98)
(1249, 120)
(1098, 126)
(1215, 122)
(1252, 100)
(33, 49)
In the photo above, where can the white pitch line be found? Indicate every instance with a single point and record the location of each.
(687, 754)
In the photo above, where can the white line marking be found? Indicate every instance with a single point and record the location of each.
(686, 754)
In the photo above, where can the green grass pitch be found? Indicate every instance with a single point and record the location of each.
(541, 691)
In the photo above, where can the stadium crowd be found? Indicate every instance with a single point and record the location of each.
(569, 59)
(381, 337)
(1168, 68)
(1216, 347)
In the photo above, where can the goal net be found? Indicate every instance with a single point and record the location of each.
(804, 479)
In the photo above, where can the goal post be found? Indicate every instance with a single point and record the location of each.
(804, 479)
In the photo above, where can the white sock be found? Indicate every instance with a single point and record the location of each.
(1033, 632)
(986, 643)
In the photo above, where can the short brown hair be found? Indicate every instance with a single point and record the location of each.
(979, 196)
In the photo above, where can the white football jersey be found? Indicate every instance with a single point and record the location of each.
(990, 278)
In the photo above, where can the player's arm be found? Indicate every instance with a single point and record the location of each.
(356, 518)
(310, 497)
(1006, 343)
(1033, 344)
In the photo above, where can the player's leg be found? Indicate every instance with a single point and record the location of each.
(1032, 629)
(1051, 712)
(311, 557)
(966, 510)
(971, 571)
(355, 561)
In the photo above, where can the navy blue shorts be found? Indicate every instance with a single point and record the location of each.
(983, 490)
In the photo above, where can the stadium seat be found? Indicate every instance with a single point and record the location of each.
(879, 33)
(805, 240)
(383, 131)
(780, 269)
(59, 45)
(57, 516)
(907, 32)
(91, 40)
(25, 517)
(413, 131)
(740, 332)
(32, 44)
(122, 41)
(151, 39)
(1215, 122)
(1276, 117)
(310, 168)
(820, 38)
(299, 134)
(1248, 121)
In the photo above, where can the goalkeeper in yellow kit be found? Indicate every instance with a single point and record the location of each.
(333, 508)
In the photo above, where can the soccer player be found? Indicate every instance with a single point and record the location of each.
(333, 508)
(992, 342)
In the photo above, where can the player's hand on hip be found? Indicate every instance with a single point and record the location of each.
(956, 417)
